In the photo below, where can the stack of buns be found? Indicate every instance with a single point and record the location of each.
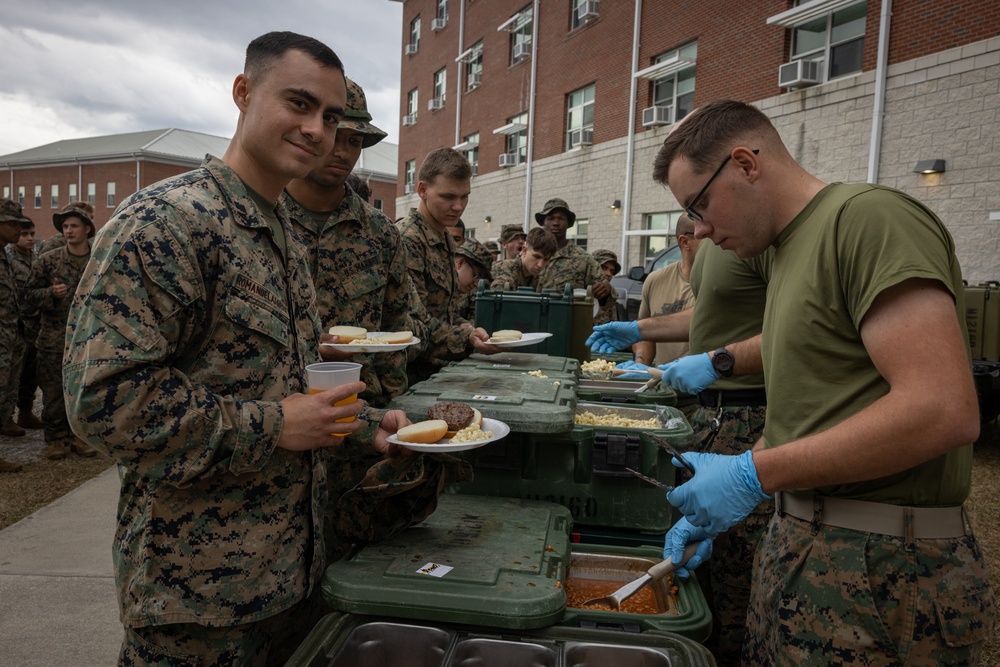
(505, 336)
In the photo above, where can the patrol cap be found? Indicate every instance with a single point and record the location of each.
(356, 116)
(11, 211)
(478, 253)
(511, 232)
(605, 256)
(555, 205)
(80, 209)
(492, 246)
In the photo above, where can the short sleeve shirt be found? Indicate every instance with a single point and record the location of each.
(665, 292)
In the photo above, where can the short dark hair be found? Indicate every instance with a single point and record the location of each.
(27, 223)
(708, 132)
(685, 225)
(460, 224)
(359, 186)
(445, 162)
(265, 50)
(542, 240)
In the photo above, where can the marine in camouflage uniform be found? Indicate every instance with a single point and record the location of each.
(22, 392)
(186, 363)
(57, 241)
(508, 275)
(572, 264)
(62, 266)
(473, 261)
(11, 327)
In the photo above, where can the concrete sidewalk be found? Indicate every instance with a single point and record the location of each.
(58, 604)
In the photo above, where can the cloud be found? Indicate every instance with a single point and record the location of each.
(77, 69)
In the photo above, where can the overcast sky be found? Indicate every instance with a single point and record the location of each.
(80, 68)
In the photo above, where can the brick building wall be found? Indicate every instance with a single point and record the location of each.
(941, 101)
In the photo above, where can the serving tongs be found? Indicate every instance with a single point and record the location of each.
(654, 573)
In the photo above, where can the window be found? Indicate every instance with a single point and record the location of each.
(442, 10)
(518, 141)
(412, 100)
(440, 86)
(659, 232)
(578, 233)
(72, 191)
(410, 179)
(6, 192)
(54, 203)
(474, 66)
(837, 40)
(582, 11)
(20, 195)
(377, 204)
(471, 152)
(91, 193)
(111, 194)
(520, 35)
(414, 45)
(580, 117)
(38, 196)
(676, 90)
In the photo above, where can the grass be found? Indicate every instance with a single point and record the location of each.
(43, 481)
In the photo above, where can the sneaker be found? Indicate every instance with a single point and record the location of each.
(27, 419)
(10, 466)
(12, 430)
(81, 448)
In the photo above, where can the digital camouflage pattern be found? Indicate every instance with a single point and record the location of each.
(57, 241)
(430, 260)
(508, 275)
(358, 266)
(730, 569)
(605, 256)
(21, 266)
(572, 264)
(511, 232)
(53, 315)
(22, 384)
(189, 329)
(827, 595)
(11, 336)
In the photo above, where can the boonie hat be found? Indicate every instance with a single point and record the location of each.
(511, 232)
(478, 253)
(11, 211)
(554, 205)
(492, 246)
(605, 256)
(356, 116)
(80, 209)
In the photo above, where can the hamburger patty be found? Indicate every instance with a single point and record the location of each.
(458, 415)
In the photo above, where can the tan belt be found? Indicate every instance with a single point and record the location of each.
(919, 523)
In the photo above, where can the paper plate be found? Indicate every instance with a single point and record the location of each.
(526, 339)
(368, 348)
(497, 427)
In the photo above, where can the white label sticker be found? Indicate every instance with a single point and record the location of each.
(483, 397)
(501, 365)
(435, 570)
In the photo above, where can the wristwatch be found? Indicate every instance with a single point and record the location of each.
(723, 362)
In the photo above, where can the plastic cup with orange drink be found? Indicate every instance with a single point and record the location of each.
(331, 374)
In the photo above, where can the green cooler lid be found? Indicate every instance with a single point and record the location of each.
(526, 403)
(523, 362)
(495, 562)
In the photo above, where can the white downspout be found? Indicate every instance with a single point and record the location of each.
(878, 106)
(630, 151)
(531, 116)
(458, 76)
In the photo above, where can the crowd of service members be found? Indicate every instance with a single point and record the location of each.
(837, 518)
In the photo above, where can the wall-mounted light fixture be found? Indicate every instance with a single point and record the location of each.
(616, 204)
(935, 166)
(488, 219)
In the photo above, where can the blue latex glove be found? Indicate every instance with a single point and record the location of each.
(690, 374)
(632, 365)
(678, 537)
(724, 489)
(614, 336)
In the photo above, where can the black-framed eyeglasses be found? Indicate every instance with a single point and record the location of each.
(689, 209)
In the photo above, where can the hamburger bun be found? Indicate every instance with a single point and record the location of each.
(396, 338)
(347, 334)
(423, 433)
(505, 336)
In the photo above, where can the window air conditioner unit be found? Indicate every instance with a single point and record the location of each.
(410, 120)
(408, 189)
(475, 80)
(656, 116)
(522, 50)
(508, 160)
(588, 10)
(411, 48)
(799, 73)
(581, 138)
(438, 24)
(436, 103)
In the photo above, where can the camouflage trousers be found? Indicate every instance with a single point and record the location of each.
(11, 362)
(730, 569)
(55, 424)
(262, 643)
(825, 595)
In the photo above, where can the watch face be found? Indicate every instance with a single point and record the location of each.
(723, 362)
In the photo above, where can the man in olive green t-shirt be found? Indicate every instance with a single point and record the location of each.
(869, 556)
